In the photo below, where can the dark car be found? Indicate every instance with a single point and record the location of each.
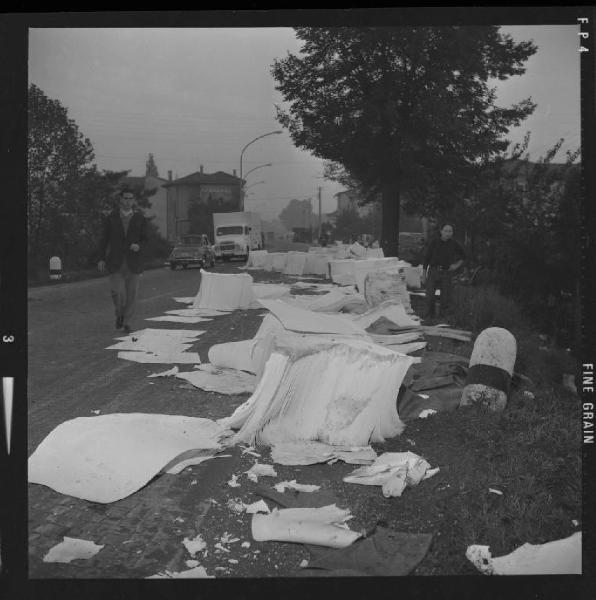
(192, 250)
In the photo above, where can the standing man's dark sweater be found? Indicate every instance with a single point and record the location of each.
(443, 257)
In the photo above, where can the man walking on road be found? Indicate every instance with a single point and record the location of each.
(443, 257)
(123, 236)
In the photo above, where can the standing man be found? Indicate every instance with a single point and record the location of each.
(444, 256)
(120, 250)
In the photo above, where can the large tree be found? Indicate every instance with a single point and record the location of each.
(402, 109)
(58, 156)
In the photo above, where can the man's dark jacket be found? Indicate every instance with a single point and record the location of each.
(114, 245)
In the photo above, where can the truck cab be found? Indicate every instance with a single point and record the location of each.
(236, 234)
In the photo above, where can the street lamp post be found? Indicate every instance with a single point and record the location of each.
(277, 132)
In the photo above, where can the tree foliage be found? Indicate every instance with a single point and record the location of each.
(58, 156)
(297, 213)
(402, 109)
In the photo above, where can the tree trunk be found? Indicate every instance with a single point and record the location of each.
(390, 219)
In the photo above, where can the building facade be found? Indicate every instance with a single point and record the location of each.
(204, 188)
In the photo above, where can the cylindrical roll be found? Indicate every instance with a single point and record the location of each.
(491, 369)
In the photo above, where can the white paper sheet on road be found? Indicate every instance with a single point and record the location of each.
(158, 346)
(312, 452)
(233, 355)
(230, 291)
(194, 545)
(393, 471)
(194, 573)
(109, 457)
(181, 358)
(70, 549)
(294, 318)
(316, 388)
(260, 470)
(559, 557)
(169, 373)
(185, 300)
(282, 486)
(223, 381)
(197, 312)
(178, 319)
(325, 526)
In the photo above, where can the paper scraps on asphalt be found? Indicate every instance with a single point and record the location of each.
(295, 318)
(312, 452)
(233, 482)
(316, 388)
(178, 319)
(185, 300)
(324, 526)
(197, 544)
(223, 381)
(260, 506)
(158, 346)
(195, 573)
(260, 470)
(393, 471)
(168, 373)
(70, 549)
(560, 557)
(197, 312)
(230, 291)
(190, 459)
(109, 457)
(427, 413)
(301, 487)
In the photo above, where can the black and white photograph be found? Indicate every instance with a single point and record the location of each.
(306, 296)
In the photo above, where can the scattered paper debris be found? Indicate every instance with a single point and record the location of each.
(257, 507)
(197, 544)
(236, 505)
(260, 470)
(70, 549)
(560, 557)
(245, 544)
(232, 561)
(427, 413)
(226, 538)
(300, 487)
(575, 522)
(196, 573)
(233, 482)
(168, 373)
(393, 471)
(529, 395)
(109, 457)
(96, 412)
(221, 548)
(191, 564)
(493, 491)
(303, 564)
(324, 526)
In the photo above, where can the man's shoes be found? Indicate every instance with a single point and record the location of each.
(119, 322)
(126, 328)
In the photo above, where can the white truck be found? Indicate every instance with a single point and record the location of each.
(236, 234)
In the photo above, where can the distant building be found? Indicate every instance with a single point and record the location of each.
(158, 209)
(202, 187)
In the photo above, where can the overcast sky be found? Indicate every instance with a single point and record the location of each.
(197, 96)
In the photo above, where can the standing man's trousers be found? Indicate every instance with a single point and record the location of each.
(124, 286)
(438, 279)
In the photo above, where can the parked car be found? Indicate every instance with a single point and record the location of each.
(192, 250)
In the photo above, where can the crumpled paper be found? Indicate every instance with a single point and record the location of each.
(301, 487)
(560, 557)
(260, 470)
(70, 549)
(223, 381)
(325, 526)
(313, 452)
(393, 471)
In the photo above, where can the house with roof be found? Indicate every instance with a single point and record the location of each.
(206, 188)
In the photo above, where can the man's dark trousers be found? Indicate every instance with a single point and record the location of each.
(438, 278)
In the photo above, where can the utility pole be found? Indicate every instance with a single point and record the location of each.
(319, 189)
